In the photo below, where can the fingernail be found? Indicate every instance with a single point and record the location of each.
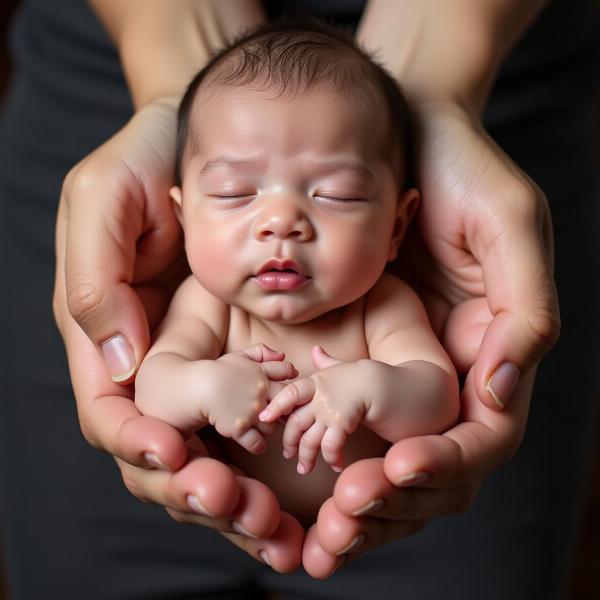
(413, 479)
(118, 356)
(196, 506)
(502, 383)
(264, 557)
(239, 529)
(264, 415)
(337, 468)
(301, 469)
(355, 544)
(372, 506)
(153, 460)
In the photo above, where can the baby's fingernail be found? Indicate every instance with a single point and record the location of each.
(239, 529)
(337, 468)
(370, 507)
(502, 383)
(196, 506)
(264, 415)
(119, 358)
(354, 545)
(301, 469)
(153, 460)
(264, 557)
(413, 479)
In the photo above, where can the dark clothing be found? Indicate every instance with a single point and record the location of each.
(70, 528)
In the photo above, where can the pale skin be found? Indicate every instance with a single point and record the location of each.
(291, 210)
(106, 284)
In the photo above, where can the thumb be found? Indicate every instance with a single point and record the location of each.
(94, 270)
(321, 359)
(517, 270)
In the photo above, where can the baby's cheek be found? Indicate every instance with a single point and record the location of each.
(209, 260)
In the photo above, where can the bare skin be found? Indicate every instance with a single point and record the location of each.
(291, 212)
(107, 284)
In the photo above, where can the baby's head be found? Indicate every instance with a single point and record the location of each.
(291, 171)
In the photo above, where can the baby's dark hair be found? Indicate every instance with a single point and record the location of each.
(292, 56)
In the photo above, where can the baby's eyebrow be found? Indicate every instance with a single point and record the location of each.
(330, 166)
(231, 162)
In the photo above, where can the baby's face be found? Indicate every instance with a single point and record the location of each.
(290, 206)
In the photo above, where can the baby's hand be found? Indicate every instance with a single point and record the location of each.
(242, 382)
(325, 408)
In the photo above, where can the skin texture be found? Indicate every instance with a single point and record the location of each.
(119, 194)
(301, 179)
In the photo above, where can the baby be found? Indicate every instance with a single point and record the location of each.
(293, 198)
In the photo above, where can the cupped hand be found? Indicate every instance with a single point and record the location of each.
(119, 258)
(481, 260)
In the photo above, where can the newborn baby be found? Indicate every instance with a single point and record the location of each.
(289, 339)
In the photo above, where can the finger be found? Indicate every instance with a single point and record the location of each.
(295, 394)
(204, 484)
(516, 256)
(267, 429)
(252, 441)
(95, 266)
(298, 422)
(317, 562)
(321, 359)
(261, 353)
(334, 440)
(364, 490)
(108, 417)
(282, 551)
(340, 534)
(256, 515)
(310, 444)
(279, 370)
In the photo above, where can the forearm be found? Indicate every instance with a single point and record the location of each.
(445, 50)
(413, 398)
(163, 43)
(171, 388)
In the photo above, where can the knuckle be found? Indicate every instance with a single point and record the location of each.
(88, 434)
(544, 324)
(177, 516)
(84, 300)
(132, 484)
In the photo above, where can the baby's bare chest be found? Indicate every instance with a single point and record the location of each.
(342, 336)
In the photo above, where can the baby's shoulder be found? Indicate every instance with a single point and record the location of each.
(193, 300)
(392, 290)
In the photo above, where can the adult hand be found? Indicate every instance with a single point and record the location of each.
(119, 257)
(482, 262)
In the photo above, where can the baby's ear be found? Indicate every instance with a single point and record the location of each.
(177, 197)
(407, 208)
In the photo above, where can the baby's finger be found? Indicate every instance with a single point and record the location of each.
(295, 394)
(310, 443)
(279, 370)
(298, 422)
(332, 446)
(266, 429)
(252, 441)
(261, 353)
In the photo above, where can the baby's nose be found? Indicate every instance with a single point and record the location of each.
(283, 222)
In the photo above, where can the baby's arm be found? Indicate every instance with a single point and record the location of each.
(184, 381)
(407, 387)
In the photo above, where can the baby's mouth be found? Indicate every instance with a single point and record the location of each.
(280, 275)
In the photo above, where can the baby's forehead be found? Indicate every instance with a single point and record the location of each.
(360, 114)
